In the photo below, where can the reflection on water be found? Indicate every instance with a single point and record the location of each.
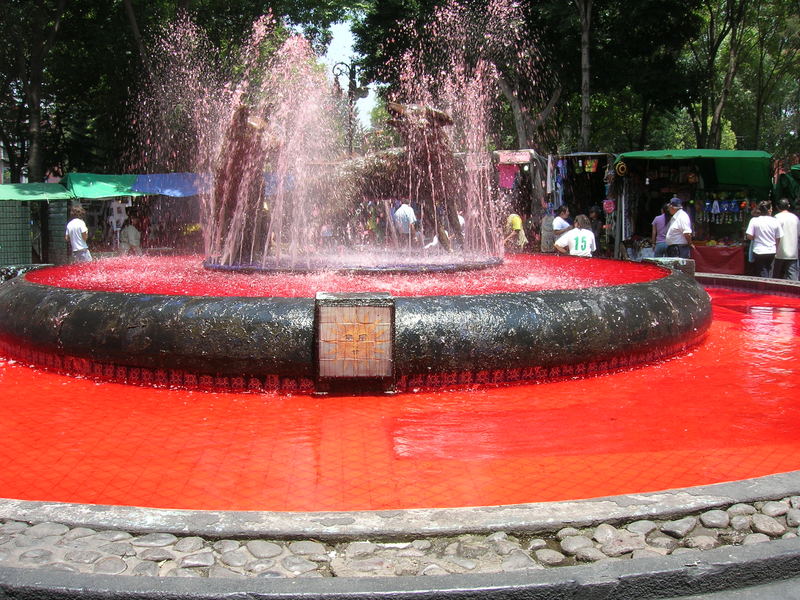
(769, 350)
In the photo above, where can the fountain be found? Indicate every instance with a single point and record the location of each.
(266, 143)
(504, 357)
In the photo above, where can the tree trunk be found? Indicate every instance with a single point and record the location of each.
(516, 110)
(736, 18)
(647, 113)
(137, 36)
(525, 126)
(585, 10)
(42, 40)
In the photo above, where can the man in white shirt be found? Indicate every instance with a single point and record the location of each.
(785, 265)
(579, 241)
(560, 223)
(406, 221)
(77, 235)
(679, 231)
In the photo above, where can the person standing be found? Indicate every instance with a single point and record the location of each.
(130, 238)
(406, 221)
(596, 224)
(785, 266)
(77, 235)
(765, 231)
(514, 228)
(579, 241)
(560, 223)
(659, 233)
(679, 230)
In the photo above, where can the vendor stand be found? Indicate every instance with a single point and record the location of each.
(581, 181)
(719, 189)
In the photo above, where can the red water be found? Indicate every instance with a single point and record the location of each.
(728, 410)
(185, 275)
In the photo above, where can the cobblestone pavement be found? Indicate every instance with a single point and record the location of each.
(55, 546)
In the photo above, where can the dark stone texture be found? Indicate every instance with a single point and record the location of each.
(549, 328)
(228, 336)
(729, 570)
(275, 336)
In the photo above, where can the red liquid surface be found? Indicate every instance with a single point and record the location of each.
(728, 410)
(185, 275)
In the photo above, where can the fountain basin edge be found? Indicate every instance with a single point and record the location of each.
(241, 343)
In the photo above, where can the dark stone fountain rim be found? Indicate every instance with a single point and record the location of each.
(439, 341)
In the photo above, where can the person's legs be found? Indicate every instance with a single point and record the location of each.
(793, 270)
(763, 264)
(779, 268)
(79, 256)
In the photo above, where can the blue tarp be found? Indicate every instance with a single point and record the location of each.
(178, 185)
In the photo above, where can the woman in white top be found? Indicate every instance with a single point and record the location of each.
(765, 232)
(579, 241)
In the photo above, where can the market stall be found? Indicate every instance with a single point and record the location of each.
(719, 189)
(581, 181)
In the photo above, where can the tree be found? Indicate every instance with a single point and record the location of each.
(69, 71)
(715, 57)
(638, 74)
(585, 13)
(767, 75)
(33, 26)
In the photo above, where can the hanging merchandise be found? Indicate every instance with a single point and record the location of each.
(590, 166)
(609, 206)
(507, 175)
(561, 177)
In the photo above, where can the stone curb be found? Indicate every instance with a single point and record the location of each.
(335, 526)
(672, 576)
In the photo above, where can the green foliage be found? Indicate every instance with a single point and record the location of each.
(93, 68)
(657, 72)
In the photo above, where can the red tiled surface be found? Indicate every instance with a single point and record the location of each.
(727, 410)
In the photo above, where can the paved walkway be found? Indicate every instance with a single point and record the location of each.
(747, 530)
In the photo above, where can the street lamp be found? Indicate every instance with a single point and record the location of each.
(353, 93)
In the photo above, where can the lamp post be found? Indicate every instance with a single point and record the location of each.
(349, 69)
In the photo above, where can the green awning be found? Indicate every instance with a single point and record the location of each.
(750, 168)
(92, 185)
(34, 191)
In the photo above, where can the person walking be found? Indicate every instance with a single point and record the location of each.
(765, 233)
(785, 266)
(77, 235)
(659, 232)
(679, 230)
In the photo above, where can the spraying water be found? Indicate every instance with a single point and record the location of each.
(280, 191)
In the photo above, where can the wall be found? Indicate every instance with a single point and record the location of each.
(15, 237)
